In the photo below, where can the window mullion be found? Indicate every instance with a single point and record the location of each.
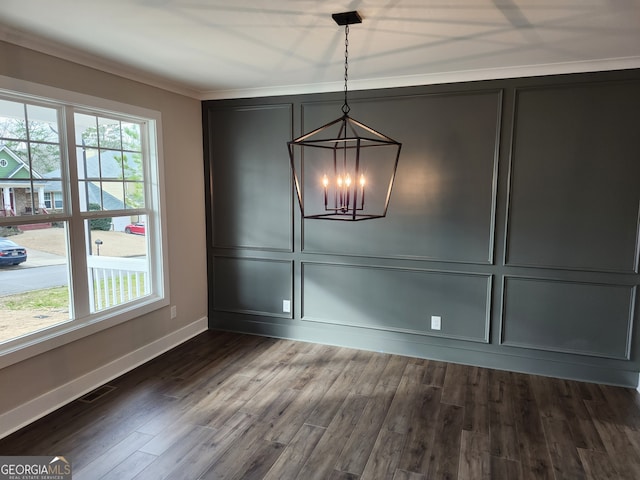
(79, 282)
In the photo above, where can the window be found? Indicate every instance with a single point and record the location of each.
(76, 183)
(53, 200)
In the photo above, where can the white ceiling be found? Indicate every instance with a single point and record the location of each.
(236, 48)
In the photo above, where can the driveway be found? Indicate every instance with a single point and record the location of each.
(37, 258)
(52, 241)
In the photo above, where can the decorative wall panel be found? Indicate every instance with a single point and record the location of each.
(585, 318)
(575, 175)
(542, 172)
(398, 300)
(252, 206)
(442, 206)
(250, 285)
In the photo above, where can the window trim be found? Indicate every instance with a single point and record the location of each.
(23, 348)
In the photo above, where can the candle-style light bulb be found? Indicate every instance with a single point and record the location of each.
(362, 181)
(340, 181)
(325, 182)
(347, 181)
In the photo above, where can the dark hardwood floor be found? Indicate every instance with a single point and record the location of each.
(243, 407)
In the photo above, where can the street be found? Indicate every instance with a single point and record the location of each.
(17, 280)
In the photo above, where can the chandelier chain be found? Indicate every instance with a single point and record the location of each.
(345, 107)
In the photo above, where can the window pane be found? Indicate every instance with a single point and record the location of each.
(12, 122)
(111, 164)
(83, 189)
(96, 196)
(88, 162)
(112, 195)
(86, 130)
(45, 160)
(43, 124)
(131, 137)
(92, 163)
(34, 294)
(17, 159)
(132, 166)
(109, 131)
(134, 195)
(118, 265)
(14, 162)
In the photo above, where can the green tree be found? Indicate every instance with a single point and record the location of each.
(44, 146)
(103, 224)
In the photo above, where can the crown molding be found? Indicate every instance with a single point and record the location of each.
(41, 45)
(607, 64)
(33, 42)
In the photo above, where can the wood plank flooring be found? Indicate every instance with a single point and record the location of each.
(235, 406)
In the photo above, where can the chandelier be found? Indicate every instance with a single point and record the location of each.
(344, 169)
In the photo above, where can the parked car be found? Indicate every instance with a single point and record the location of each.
(11, 253)
(137, 228)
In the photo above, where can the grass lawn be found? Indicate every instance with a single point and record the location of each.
(49, 298)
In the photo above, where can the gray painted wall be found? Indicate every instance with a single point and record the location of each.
(515, 217)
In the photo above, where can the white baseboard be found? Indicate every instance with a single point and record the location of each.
(638, 383)
(32, 410)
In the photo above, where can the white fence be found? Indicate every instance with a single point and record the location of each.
(117, 280)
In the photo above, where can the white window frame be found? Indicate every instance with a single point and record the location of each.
(85, 323)
(53, 198)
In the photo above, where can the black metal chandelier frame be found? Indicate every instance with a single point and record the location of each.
(353, 136)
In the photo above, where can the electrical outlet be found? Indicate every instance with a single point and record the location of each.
(174, 312)
(286, 306)
(436, 322)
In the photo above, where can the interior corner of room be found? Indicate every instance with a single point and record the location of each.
(511, 240)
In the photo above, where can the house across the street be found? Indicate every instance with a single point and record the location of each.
(18, 196)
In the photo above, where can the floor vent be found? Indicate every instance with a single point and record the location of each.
(97, 393)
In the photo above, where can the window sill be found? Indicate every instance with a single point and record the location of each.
(57, 336)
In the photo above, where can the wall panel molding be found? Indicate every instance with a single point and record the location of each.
(397, 299)
(573, 201)
(253, 286)
(582, 318)
(446, 180)
(252, 181)
(528, 181)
